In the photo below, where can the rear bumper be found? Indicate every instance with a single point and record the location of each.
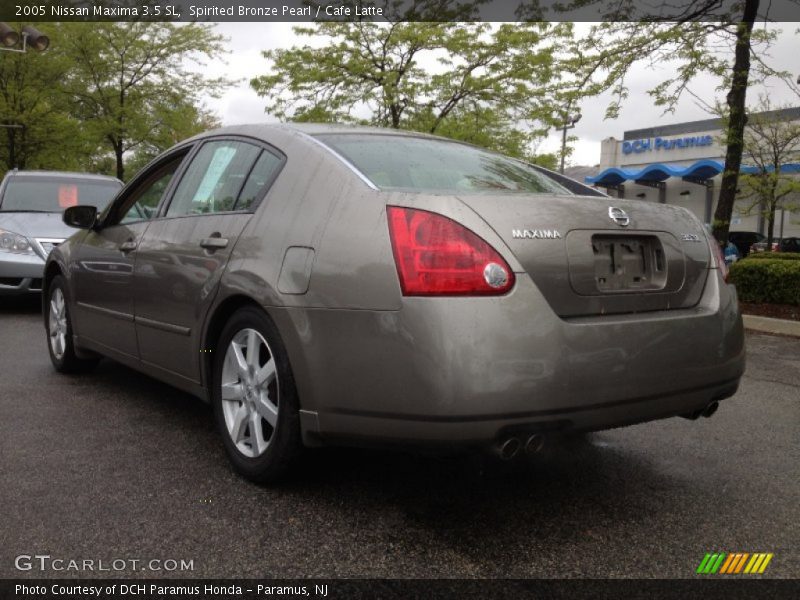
(20, 274)
(466, 431)
(468, 370)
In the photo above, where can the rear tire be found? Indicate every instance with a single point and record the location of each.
(58, 324)
(254, 397)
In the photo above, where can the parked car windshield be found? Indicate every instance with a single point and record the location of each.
(54, 194)
(418, 164)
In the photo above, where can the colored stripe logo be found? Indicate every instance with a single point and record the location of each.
(734, 563)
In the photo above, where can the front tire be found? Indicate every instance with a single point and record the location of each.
(254, 397)
(58, 325)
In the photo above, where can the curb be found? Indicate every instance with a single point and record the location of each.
(769, 325)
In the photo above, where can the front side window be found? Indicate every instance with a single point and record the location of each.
(417, 164)
(54, 194)
(213, 180)
(142, 203)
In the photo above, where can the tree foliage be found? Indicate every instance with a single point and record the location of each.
(705, 38)
(105, 95)
(39, 129)
(131, 81)
(770, 143)
(492, 85)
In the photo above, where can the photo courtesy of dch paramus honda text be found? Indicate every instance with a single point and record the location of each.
(325, 284)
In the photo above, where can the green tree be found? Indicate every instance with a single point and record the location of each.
(770, 143)
(707, 37)
(39, 130)
(492, 85)
(175, 123)
(129, 81)
(482, 126)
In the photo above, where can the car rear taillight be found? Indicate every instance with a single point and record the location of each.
(435, 256)
(717, 258)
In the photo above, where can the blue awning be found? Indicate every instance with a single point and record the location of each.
(702, 169)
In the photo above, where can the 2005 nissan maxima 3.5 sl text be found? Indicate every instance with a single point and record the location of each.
(336, 285)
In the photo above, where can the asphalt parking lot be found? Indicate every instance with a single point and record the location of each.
(115, 465)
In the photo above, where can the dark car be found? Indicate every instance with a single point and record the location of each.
(789, 244)
(31, 204)
(743, 240)
(327, 285)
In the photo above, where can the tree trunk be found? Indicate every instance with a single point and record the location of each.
(770, 226)
(737, 97)
(120, 164)
(12, 149)
(394, 112)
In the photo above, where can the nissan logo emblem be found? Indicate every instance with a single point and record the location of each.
(619, 216)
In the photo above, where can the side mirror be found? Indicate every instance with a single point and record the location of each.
(82, 217)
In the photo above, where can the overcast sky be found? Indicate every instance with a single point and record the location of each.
(240, 104)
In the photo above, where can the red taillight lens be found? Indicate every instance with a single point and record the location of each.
(717, 258)
(435, 256)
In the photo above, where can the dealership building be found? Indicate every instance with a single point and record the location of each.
(681, 164)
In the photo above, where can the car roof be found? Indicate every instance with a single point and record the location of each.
(265, 130)
(65, 174)
(323, 128)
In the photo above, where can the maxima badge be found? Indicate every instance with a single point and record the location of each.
(535, 234)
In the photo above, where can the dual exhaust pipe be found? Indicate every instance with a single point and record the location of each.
(510, 447)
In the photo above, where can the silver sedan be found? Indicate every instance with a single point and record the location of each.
(31, 204)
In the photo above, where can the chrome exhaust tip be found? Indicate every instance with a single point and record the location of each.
(706, 412)
(710, 409)
(534, 444)
(509, 448)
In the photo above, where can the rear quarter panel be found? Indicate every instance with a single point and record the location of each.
(316, 203)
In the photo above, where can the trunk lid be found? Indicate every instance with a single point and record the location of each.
(586, 262)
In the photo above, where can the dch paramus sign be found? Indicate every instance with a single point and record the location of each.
(659, 143)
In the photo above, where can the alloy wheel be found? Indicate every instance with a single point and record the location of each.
(249, 392)
(57, 323)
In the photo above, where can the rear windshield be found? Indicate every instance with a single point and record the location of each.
(45, 194)
(417, 164)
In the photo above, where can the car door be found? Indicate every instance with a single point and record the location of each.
(183, 253)
(103, 267)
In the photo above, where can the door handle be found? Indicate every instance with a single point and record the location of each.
(128, 246)
(214, 242)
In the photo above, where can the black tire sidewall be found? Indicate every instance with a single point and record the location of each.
(285, 444)
(68, 362)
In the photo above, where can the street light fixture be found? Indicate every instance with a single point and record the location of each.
(31, 37)
(569, 123)
(36, 39)
(8, 37)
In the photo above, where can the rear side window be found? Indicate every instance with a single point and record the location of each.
(259, 178)
(417, 164)
(214, 178)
